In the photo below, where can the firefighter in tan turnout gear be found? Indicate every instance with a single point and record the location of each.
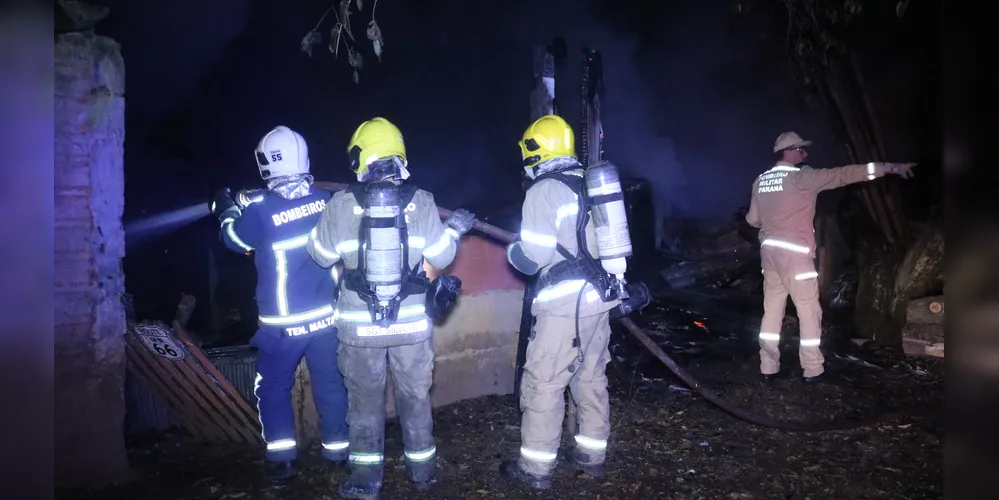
(383, 230)
(783, 207)
(568, 207)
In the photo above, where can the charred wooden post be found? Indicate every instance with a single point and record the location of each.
(591, 147)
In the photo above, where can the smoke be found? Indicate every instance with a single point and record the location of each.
(693, 105)
(694, 97)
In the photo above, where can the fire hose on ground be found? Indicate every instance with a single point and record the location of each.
(687, 378)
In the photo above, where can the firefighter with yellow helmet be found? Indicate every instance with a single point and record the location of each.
(574, 234)
(383, 229)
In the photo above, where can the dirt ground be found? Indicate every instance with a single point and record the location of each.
(665, 443)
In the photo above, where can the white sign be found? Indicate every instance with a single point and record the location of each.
(158, 340)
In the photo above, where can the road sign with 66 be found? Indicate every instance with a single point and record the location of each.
(158, 339)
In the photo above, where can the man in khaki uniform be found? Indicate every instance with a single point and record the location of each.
(783, 207)
(404, 347)
(568, 344)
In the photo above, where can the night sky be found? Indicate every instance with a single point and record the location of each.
(695, 96)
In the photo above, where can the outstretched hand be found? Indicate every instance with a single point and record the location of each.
(901, 169)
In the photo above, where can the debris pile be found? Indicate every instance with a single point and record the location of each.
(715, 257)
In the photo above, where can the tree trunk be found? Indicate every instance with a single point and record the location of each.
(889, 275)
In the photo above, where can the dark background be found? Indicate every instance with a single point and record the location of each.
(696, 93)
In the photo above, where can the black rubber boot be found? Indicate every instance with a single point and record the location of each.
(510, 469)
(336, 465)
(364, 483)
(422, 474)
(360, 490)
(582, 462)
(826, 379)
(281, 471)
(773, 377)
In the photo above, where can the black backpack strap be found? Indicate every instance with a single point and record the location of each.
(357, 189)
(406, 194)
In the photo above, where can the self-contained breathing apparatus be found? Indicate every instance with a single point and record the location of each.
(599, 195)
(383, 278)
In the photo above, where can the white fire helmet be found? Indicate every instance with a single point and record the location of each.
(282, 152)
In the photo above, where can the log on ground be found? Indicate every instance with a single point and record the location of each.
(928, 310)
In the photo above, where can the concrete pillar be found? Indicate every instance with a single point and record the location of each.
(89, 246)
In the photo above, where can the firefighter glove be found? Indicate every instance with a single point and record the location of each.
(461, 220)
(223, 206)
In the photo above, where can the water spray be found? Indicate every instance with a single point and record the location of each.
(173, 219)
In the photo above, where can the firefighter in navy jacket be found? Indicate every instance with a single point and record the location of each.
(295, 298)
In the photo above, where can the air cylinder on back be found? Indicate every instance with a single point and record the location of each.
(383, 246)
(610, 218)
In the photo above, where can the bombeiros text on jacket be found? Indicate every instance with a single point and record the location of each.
(293, 214)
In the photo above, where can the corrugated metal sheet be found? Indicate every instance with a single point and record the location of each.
(239, 365)
(145, 412)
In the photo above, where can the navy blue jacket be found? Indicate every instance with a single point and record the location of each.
(294, 294)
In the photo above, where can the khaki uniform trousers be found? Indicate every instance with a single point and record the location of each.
(552, 364)
(786, 272)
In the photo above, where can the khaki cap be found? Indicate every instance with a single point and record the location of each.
(790, 140)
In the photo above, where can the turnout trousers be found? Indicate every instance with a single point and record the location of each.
(277, 360)
(790, 273)
(552, 364)
(364, 370)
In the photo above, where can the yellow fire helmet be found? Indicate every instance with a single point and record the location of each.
(548, 137)
(374, 140)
